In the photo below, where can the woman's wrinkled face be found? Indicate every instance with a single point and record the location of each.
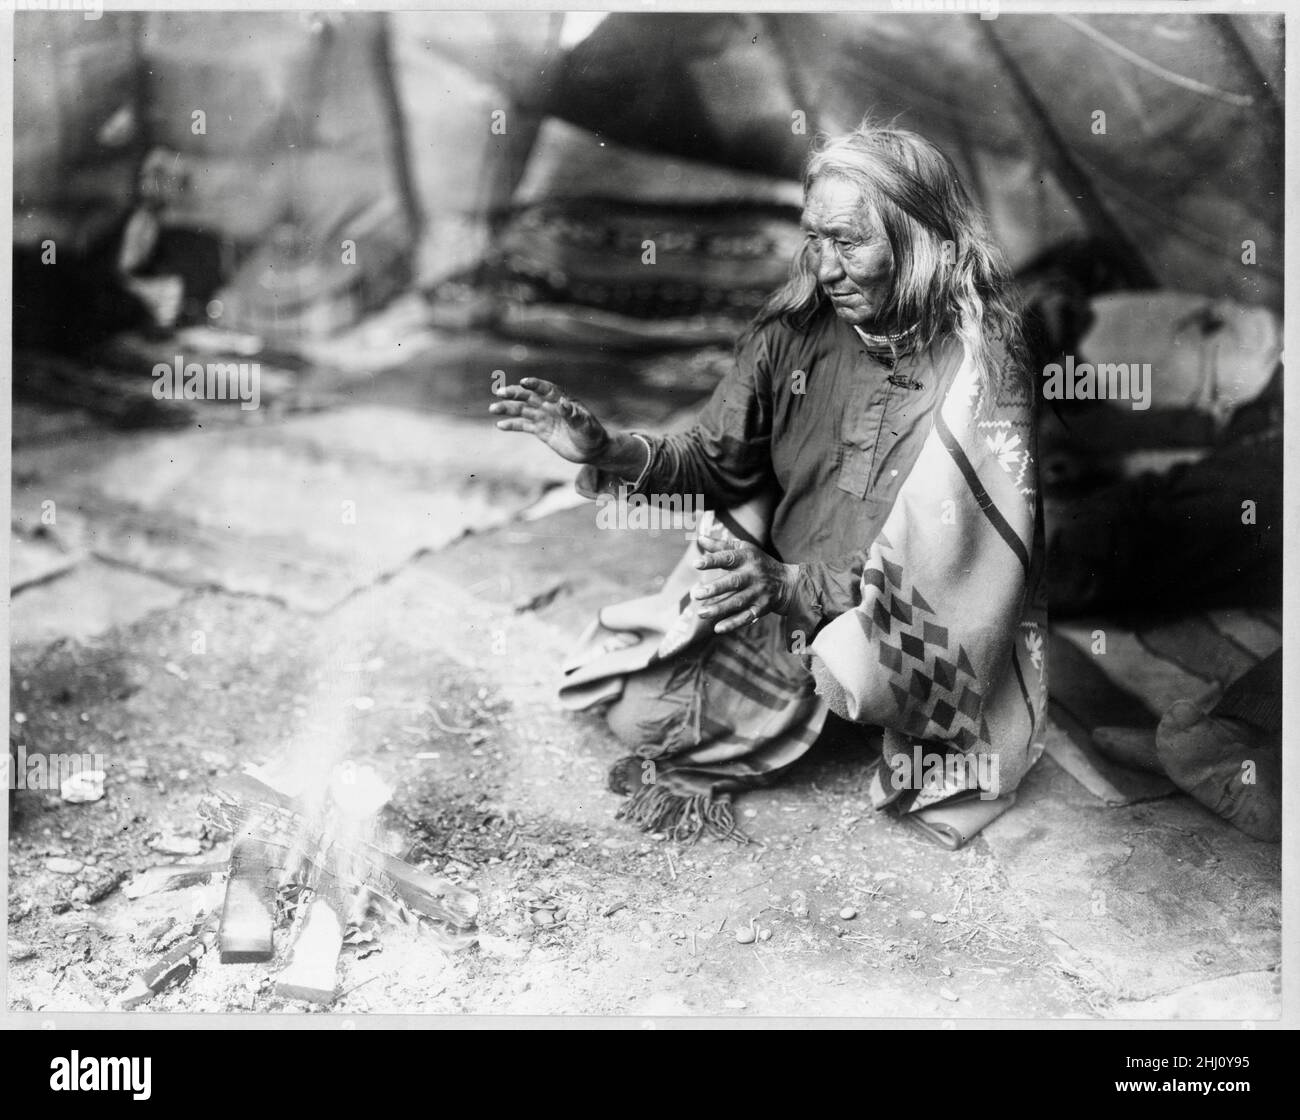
(848, 250)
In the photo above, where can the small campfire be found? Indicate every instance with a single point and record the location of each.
(305, 865)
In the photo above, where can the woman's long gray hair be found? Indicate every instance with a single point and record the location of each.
(949, 278)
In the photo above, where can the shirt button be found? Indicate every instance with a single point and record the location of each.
(893, 473)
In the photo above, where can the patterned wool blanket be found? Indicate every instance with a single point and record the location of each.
(947, 649)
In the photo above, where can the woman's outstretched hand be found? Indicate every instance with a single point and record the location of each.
(754, 583)
(567, 427)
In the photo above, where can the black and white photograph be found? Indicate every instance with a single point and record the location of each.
(710, 518)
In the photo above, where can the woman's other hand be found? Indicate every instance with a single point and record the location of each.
(752, 583)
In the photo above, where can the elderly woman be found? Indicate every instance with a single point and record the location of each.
(875, 549)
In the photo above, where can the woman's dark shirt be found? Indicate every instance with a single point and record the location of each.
(821, 418)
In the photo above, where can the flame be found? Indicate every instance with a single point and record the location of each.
(340, 797)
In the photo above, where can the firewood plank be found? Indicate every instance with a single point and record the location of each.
(248, 915)
(312, 971)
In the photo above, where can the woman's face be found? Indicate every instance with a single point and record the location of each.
(848, 249)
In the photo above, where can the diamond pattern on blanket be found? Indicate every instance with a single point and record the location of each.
(935, 686)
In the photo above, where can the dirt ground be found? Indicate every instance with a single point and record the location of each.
(199, 604)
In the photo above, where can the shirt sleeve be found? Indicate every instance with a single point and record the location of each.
(726, 454)
(823, 590)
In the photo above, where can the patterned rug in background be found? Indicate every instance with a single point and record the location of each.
(609, 245)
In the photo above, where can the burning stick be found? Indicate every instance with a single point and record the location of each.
(175, 966)
(170, 878)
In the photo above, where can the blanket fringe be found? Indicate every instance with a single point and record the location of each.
(652, 808)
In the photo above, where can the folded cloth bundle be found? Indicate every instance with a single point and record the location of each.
(707, 715)
(641, 633)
